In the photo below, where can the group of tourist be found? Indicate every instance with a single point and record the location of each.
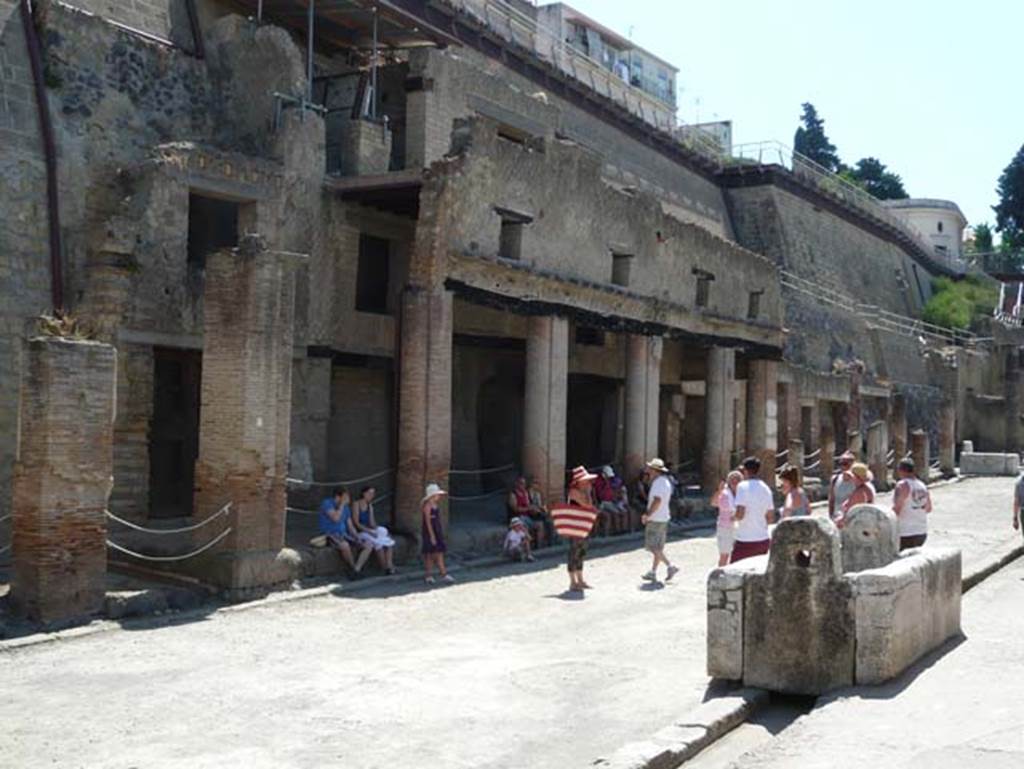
(746, 504)
(348, 528)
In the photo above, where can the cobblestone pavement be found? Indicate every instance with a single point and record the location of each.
(501, 671)
(960, 707)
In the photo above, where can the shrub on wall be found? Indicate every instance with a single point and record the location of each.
(959, 304)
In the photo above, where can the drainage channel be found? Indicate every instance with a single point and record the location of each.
(756, 732)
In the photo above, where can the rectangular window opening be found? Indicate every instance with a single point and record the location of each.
(212, 225)
(510, 242)
(373, 275)
(704, 279)
(754, 305)
(588, 335)
(621, 264)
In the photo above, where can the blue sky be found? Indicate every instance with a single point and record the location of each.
(933, 89)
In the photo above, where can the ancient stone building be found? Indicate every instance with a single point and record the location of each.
(500, 263)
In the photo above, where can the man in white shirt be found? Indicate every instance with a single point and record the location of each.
(912, 502)
(656, 518)
(755, 509)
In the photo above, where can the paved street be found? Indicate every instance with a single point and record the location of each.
(960, 708)
(498, 672)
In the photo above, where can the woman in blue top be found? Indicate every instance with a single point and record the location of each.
(335, 521)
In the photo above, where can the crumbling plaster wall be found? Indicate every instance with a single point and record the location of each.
(578, 221)
(457, 83)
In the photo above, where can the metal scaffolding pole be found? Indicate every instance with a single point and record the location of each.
(309, 52)
(373, 69)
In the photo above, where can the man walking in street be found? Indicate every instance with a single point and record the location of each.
(1018, 503)
(656, 518)
(911, 502)
(755, 509)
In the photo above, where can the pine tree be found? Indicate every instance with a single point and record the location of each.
(1010, 209)
(811, 142)
(872, 175)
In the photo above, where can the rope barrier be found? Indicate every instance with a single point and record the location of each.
(303, 511)
(812, 466)
(482, 471)
(477, 496)
(350, 482)
(4, 517)
(687, 463)
(781, 454)
(4, 549)
(813, 454)
(181, 530)
(166, 558)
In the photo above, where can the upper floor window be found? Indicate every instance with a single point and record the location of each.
(212, 225)
(621, 264)
(704, 279)
(510, 239)
(373, 275)
(754, 305)
(940, 226)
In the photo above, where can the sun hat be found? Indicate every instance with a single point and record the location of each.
(607, 471)
(515, 521)
(658, 465)
(581, 475)
(432, 490)
(861, 471)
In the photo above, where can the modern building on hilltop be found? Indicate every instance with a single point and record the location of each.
(940, 221)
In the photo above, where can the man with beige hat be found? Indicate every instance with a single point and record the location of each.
(656, 518)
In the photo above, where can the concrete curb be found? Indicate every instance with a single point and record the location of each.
(161, 619)
(684, 739)
(982, 573)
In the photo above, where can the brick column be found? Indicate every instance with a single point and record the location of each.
(855, 444)
(425, 402)
(788, 412)
(244, 423)
(878, 448)
(853, 412)
(919, 451)
(547, 383)
(62, 479)
(718, 416)
(898, 419)
(643, 378)
(762, 413)
(947, 438)
(827, 439)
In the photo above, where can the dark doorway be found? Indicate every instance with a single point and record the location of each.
(592, 420)
(500, 420)
(212, 225)
(174, 431)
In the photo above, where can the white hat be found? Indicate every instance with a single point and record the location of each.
(607, 471)
(432, 490)
(657, 465)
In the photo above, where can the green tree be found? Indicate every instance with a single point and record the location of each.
(1010, 209)
(811, 142)
(872, 175)
(962, 303)
(983, 243)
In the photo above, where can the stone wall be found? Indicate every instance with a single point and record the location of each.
(24, 248)
(461, 82)
(574, 226)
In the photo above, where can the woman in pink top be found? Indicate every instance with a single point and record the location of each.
(725, 500)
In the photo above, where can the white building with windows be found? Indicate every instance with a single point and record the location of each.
(940, 222)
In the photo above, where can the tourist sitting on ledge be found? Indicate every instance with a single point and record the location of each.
(376, 537)
(517, 541)
(335, 521)
(609, 492)
(520, 506)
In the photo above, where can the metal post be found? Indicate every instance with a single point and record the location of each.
(373, 69)
(259, 12)
(309, 52)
